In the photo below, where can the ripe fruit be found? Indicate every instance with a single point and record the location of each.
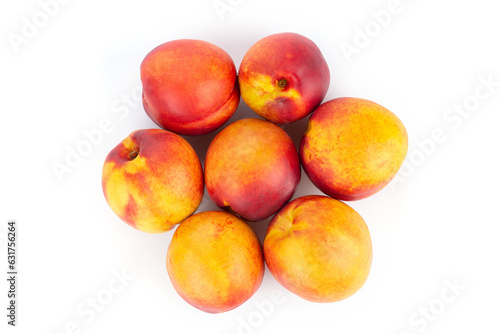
(252, 168)
(215, 261)
(318, 248)
(352, 148)
(153, 180)
(283, 77)
(189, 86)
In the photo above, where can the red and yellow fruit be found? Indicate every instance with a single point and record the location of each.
(189, 86)
(283, 77)
(252, 168)
(319, 248)
(352, 148)
(153, 180)
(215, 261)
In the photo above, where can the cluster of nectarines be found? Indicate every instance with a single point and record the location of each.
(316, 246)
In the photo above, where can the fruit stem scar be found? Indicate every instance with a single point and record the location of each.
(282, 83)
(133, 154)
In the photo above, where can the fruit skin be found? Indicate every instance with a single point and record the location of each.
(319, 248)
(215, 261)
(291, 57)
(157, 189)
(190, 86)
(352, 148)
(252, 168)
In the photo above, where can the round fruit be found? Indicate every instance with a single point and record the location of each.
(252, 168)
(215, 261)
(189, 86)
(153, 180)
(352, 148)
(319, 248)
(283, 77)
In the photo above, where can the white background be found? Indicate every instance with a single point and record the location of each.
(437, 225)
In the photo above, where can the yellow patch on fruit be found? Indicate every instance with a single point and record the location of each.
(141, 201)
(261, 89)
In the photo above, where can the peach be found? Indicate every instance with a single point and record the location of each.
(252, 168)
(318, 248)
(215, 261)
(352, 148)
(153, 180)
(189, 86)
(283, 77)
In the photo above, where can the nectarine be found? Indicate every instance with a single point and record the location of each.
(215, 261)
(252, 168)
(353, 147)
(318, 248)
(153, 180)
(283, 77)
(189, 86)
